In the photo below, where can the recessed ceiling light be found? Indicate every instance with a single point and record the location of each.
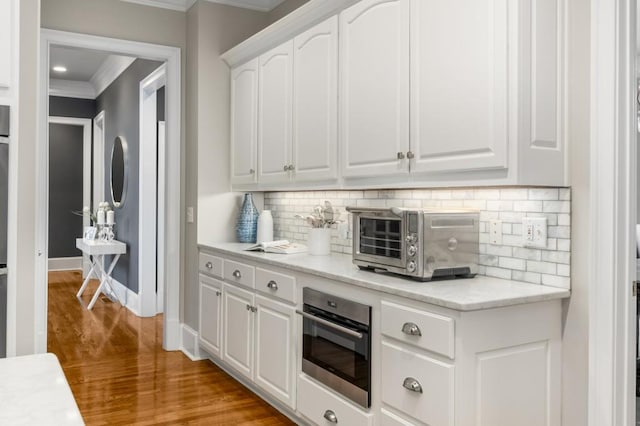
(60, 68)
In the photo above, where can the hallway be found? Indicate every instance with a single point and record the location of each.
(120, 375)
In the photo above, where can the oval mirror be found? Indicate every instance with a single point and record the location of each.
(119, 171)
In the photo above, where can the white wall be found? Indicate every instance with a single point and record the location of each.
(212, 30)
(284, 8)
(575, 360)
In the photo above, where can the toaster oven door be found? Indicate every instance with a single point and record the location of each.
(379, 239)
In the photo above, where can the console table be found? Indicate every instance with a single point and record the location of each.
(97, 250)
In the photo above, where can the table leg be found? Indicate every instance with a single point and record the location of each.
(86, 280)
(104, 281)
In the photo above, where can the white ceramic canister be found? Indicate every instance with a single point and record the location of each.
(265, 227)
(319, 241)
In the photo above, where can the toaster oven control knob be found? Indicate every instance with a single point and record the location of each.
(411, 266)
(412, 250)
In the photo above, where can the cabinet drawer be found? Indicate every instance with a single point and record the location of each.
(419, 328)
(211, 265)
(314, 402)
(275, 284)
(239, 273)
(389, 419)
(432, 381)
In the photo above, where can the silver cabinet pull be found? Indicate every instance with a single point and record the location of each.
(411, 329)
(237, 274)
(254, 309)
(209, 265)
(286, 168)
(331, 416)
(330, 324)
(251, 171)
(248, 307)
(218, 293)
(291, 167)
(412, 384)
(410, 155)
(401, 156)
(272, 285)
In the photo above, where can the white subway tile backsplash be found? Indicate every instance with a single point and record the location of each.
(510, 260)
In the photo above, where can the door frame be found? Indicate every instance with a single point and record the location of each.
(152, 161)
(613, 203)
(99, 122)
(171, 262)
(85, 123)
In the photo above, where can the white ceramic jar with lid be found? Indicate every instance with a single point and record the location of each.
(265, 227)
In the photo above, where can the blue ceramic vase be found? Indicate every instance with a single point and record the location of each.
(247, 226)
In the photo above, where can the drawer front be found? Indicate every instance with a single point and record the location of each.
(316, 402)
(417, 385)
(239, 273)
(416, 327)
(389, 419)
(210, 265)
(275, 284)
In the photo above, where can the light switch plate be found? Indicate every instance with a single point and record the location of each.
(534, 232)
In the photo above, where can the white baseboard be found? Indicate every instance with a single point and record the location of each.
(189, 344)
(126, 296)
(65, 263)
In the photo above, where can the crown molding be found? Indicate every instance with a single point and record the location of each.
(179, 5)
(71, 89)
(285, 29)
(110, 69)
(184, 5)
(250, 4)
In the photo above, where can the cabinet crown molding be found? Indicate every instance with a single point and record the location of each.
(286, 28)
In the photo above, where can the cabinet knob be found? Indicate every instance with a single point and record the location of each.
(286, 168)
(401, 156)
(248, 307)
(331, 416)
(291, 167)
(237, 274)
(209, 265)
(411, 329)
(218, 293)
(412, 384)
(254, 309)
(272, 285)
(251, 171)
(410, 155)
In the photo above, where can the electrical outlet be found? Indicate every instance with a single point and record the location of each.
(189, 214)
(495, 232)
(534, 232)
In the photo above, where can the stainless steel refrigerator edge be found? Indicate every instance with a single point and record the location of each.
(4, 189)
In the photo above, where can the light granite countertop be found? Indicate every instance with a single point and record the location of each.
(462, 294)
(34, 391)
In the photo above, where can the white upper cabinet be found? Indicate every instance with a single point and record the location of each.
(274, 113)
(315, 103)
(244, 121)
(374, 88)
(6, 42)
(459, 85)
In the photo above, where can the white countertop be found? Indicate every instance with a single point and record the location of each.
(34, 391)
(461, 294)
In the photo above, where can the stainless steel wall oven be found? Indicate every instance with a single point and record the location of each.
(336, 348)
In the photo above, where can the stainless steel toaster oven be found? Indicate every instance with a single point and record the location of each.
(421, 244)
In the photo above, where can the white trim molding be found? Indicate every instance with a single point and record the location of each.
(126, 296)
(184, 5)
(65, 263)
(171, 263)
(110, 69)
(613, 197)
(190, 346)
(71, 89)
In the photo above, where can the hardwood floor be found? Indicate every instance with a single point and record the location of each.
(120, 375)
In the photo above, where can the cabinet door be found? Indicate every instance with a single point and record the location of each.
(238, 329)
(374, 87)
(459, 85)
(275, 350)
(244, 122)
(6, 41)
(274, 112)
(210, 314)
(315, 102)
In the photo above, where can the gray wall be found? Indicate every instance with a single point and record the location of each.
(284, 9)
(60, 106)
(120, 102)
(65, 189)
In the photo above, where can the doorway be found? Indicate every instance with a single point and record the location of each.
(169, 176)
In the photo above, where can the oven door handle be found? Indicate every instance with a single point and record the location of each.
(330, 324)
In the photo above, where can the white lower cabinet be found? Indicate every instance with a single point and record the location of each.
(326, 408)
(275, 350)
(210, 323)
(238, 329)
